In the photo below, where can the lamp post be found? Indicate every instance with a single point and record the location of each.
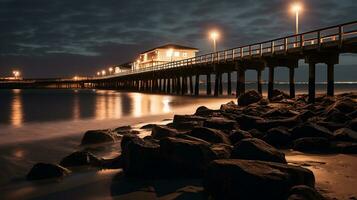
(103, 72)
(110, 70)
(98, 73)
(16, 74)
(214, 36)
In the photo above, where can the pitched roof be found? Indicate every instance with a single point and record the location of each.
(173, 46)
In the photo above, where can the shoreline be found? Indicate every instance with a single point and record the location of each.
(328, 173)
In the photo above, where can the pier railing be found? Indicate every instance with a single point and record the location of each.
(335, 35)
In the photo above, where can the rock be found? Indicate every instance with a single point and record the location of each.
(99, 136)
(263, 102)
(210, 135)
(345, 105)
(247, 122)
(280, 113)
(304, 192)
(203, 111)
(345, 147)
(306, 114)
(254, 180)
(113, 163)
(264, 125)
(188, 122)
(220, 123)
(345, 134)
(126, 139)
(337, 117)
(256, 133)
(159, 132)
(229, 107)
(278, 95)
(249, 97)
(148, 126)
(238, 135)
(122, 130)
(312, 144)
(222, 151)
(141, 158)
(278, 137)
(195, 139)
(353, 124)
(331, 126)
(256, 149)
(80, 158)
(310, 130)
(46, 171)
(353, 114)
(186, 158)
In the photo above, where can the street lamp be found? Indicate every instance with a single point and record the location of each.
(110, 70)
(214, 36)
(98, 73)
(16, 74)
(103, 72)
(296, 8)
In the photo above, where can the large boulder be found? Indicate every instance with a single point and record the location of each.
(345, 134)
(353, 124)
(255, 180)
(249, 97)
(220, 123)
(188, 121)
(99, 136)
(344, 147)
(312, 144)
(337, 116)
(80, 158)
(247, 122)
(186, 158)
(141, 158)
(229, 107)
(210, 135)
(290, 122)
(256, 149)
(203, 111)
(304, 192)
(278, 137)
(159, 132)
(46, 171)
(238, 135)
(345, 105)
(310, 130)
(222, 151)
(278, 95)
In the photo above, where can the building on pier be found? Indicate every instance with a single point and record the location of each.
(164, 54)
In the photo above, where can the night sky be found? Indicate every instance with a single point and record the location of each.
(63, 38)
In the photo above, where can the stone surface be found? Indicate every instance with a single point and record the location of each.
(278, 137)
(310, 130)
(99, 136)
(312, 144)
(254, 180)
(160, 132)
(256, 149)
(80, 158)
(46, 171)
(186, 158)
(210, 135)
(345, 134)
(304, 192)
(220, 123)
(222, 151)
(238, 135)
(249, 97)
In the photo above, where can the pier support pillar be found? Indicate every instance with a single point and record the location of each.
(330, 79)
(259, 81)
(229, 82)
(191, 86)
(197, 84)
(292, 81)
(312, 71)
(208, 88)
(220, 84)
(216, 84)
(271, 82)
(179, 88)
(240, 81)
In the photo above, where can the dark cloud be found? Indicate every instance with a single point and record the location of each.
(67, 37)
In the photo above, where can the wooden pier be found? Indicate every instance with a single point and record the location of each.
(182, 77)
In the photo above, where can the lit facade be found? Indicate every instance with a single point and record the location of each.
(164, 54)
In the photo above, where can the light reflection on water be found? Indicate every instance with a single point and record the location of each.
(25, 106)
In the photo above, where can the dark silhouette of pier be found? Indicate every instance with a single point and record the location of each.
(317, 46)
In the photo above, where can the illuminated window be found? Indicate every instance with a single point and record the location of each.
(184, 54)
(169, 53)
(177, 54)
